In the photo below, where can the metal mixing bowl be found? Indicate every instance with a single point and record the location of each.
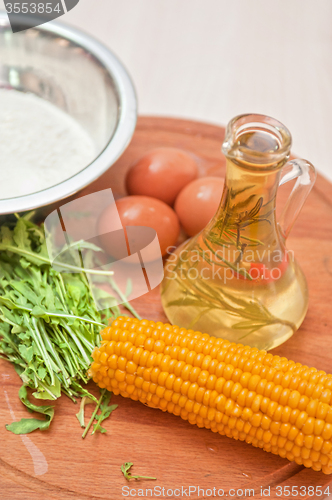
(80, 76)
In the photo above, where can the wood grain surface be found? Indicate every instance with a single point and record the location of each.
(58, 464)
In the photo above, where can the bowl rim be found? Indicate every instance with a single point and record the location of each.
(118, 142)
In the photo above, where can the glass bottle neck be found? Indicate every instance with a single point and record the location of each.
(249, 201)
(243, 181)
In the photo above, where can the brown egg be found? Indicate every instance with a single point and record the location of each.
(161, 173)
(198, 202)
(141, 211)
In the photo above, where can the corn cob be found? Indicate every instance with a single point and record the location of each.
(273, 403)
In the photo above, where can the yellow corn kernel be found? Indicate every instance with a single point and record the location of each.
(293, 416)
(241, 399)
(200, 394)
(275, 428)
(309, 426)
(130, 379)
(293, 433)
(170, 381)
(213, 398)
(276, 393)
(203, 377)
(299, 440)
(318, 443)
(256, 420)
(327, 447)
(160, 391)
(327, 432)
(256, 403)
(266, 422)
(103, 371)
(236, 390)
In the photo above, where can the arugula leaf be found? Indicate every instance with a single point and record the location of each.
(101, 418)
(105, 413)
(26, 352)
(6, 301)
(125, 469)
(6, 235)
(21, 235)
(27, 425)
(47, 391)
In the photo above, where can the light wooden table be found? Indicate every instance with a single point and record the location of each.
(211, 60)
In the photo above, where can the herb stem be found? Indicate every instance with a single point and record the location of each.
(56, 314)
(234, 268)
(124, 299)
(53, 351)
(70, 267)
(73, 357)
(94, 414)
(78, 343)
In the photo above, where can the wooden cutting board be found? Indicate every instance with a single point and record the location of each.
(58, 464)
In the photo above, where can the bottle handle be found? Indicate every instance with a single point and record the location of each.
(306, 176)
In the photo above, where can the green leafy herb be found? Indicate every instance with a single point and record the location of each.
(106, 410)
(26, 425)
(49, 323)
(125, 469)
(94, 414)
